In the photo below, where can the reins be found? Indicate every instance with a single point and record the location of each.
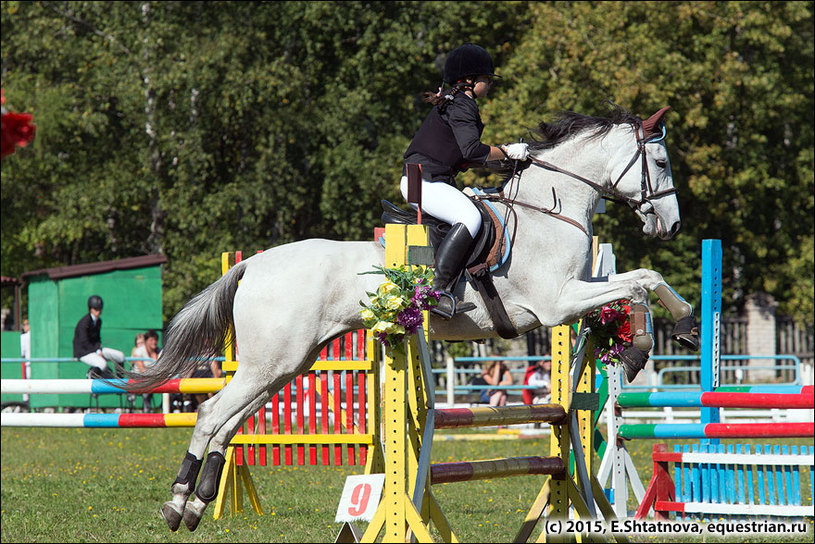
(647, 193)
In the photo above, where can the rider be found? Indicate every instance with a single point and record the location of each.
(448, 142)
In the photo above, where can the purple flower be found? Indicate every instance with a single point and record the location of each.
(383, 338)
(410, 318)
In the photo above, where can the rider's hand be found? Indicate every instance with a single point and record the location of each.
(518, 152)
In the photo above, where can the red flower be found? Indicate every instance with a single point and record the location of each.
(624, 332)
(15, 129)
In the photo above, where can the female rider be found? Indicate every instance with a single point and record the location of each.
(449, 142)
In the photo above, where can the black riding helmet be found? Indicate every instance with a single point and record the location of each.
(95, 302)
(467, 60)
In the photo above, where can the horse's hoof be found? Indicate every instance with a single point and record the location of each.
(191, 518)
(633, 360)
(171, 515)
(686, 333)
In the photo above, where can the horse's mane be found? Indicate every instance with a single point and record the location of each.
(569, 123)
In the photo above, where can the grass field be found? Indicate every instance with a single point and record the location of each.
(95, 485)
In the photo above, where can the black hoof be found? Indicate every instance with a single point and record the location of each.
(633, 360)
(191, 519)
(686, 333)
(171, 516)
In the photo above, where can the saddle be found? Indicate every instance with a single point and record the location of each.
(489, 252)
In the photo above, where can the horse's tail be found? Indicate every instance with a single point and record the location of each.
(198, 331)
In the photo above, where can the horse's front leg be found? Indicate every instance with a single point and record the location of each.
(583, 297)
(686, 331)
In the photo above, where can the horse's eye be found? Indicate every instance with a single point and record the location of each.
(662, 163)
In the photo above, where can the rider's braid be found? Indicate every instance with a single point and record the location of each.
(441, 96)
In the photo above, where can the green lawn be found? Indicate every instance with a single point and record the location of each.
(95, 485)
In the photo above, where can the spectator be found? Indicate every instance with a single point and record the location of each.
(137, 365)
(25, 341)
(25, 353)
(538, 375)
(497, 374)
(150, 350)
(88, 343)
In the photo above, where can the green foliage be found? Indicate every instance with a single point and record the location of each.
(192, 128)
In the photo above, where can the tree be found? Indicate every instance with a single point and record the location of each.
(191, 128)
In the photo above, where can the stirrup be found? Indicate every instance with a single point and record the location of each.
(686, 333)
(633, 360)
(458, 307)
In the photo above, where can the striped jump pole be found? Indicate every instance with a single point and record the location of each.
(102, 387)
(98, 421)
(716, 399)
(717, 430)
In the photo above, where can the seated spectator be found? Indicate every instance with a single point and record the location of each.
(542, 379)
(150, 350)
(497, 374)
(88, 343)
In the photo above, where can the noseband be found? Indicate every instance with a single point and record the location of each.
(647, 193)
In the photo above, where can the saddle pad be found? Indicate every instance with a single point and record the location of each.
(494, 260)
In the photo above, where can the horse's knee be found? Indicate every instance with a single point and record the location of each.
(208, 488)
(639, 294)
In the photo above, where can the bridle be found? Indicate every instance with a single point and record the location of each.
(647, 193)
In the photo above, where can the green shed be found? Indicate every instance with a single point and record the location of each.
(57, 299)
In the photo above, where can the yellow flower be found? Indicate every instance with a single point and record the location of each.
(388, 288)
(367, 314)
(394, 303)
(388, 328)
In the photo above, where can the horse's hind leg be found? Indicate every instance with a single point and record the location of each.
(212, 415)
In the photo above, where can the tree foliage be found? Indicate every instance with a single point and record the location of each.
(191, 128)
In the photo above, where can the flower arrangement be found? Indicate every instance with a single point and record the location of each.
(396, 308)
(611, 330)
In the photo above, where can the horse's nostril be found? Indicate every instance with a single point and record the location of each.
(675, 228)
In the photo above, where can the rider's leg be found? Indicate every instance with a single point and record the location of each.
(96, 361)
(447, 203)
(118, 359)
(450, 258)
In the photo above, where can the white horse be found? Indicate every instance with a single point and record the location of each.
(293, 299)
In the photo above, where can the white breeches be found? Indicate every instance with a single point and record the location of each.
(101, 361)
(447, 203)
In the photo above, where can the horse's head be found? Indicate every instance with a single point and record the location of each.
(640, 173)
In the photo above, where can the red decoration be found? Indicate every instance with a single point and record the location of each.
(16, 130)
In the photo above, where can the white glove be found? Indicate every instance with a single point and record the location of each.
(518, 152)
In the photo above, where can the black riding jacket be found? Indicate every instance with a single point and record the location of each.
(449, 140)
(87, 336)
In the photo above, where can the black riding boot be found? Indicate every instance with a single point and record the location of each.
(450, 257)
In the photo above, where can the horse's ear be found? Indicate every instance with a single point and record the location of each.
(649, 126)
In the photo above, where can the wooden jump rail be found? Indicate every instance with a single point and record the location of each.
(445, 473)
(712, 480)
(450, 418)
